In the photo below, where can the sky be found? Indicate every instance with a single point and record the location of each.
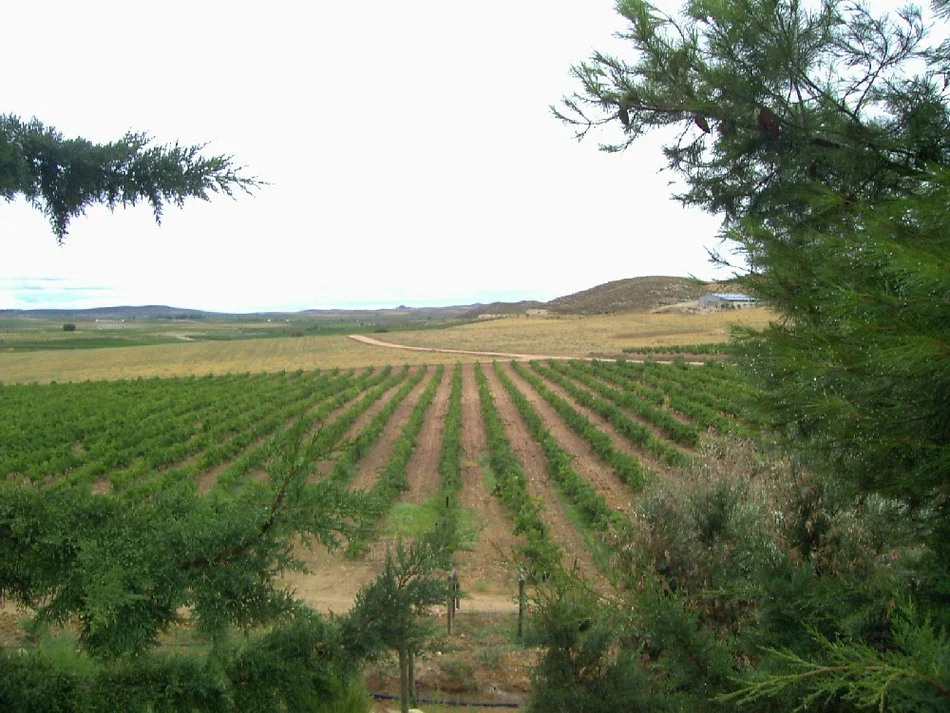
(409, 152)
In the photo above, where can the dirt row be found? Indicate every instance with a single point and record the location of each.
(489, 569)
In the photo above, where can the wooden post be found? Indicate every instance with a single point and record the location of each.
(404, 680)
(453, 597)
(522, 602)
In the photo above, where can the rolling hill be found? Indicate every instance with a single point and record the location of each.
(635, 294)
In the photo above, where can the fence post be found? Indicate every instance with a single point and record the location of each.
(453, 597)
(522, 602)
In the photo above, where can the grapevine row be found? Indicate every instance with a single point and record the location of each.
(632, 430)
(510, 485)
(590, 504)
(627, 467)
(675, 430)
(393, 481)
(685, 401)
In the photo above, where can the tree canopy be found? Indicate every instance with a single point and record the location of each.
(771, 97)
(63, 177)
(820, 132)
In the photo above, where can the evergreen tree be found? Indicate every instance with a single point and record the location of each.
(118, 571)
(821, 133)
(62, 177)
(391, 612)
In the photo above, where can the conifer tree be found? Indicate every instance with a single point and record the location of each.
(63, 177)
(820, 132)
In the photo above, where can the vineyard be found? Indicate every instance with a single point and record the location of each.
(536, 463)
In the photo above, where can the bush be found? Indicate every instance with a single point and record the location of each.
(748, 581)
(69, 327)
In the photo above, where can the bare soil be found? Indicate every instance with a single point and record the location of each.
(490, 568)
(556, 520)
(587, 464)
(422, 471)
(367, 471)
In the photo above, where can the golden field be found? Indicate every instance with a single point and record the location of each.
(543, 336)
(571, 335)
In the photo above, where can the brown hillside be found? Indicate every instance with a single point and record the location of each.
(639, 294)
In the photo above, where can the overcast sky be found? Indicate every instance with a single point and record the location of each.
(409, 148)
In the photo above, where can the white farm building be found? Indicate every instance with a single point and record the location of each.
(726, 300)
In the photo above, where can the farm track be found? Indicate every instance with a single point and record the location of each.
(557, 523)
(370, 341)
(600, 475)
(363, 339)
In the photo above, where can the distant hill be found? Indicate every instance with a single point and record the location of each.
(120, 312)
(634, 294)
(638, 294)
(496, 308)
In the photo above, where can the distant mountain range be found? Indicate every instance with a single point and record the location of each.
(635, 294)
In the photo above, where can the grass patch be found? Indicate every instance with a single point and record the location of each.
(488, 475)
(600, 553)
(413, 520)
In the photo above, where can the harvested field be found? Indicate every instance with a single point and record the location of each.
(542, 336)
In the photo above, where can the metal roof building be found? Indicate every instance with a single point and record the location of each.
(727, 300)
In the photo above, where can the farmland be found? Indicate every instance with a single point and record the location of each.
(558, 335)
(539, 462)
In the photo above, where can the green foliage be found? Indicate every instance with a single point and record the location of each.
(391, 612)
(913, 674)
(821, 132)
(63, 177)
(860, 374)
(589, 664)
(69, 327)
(737, 578)
(300, 665)
(126, 566)
(542, 554)
(771, 96)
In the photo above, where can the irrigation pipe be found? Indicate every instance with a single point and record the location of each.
(448, 702)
